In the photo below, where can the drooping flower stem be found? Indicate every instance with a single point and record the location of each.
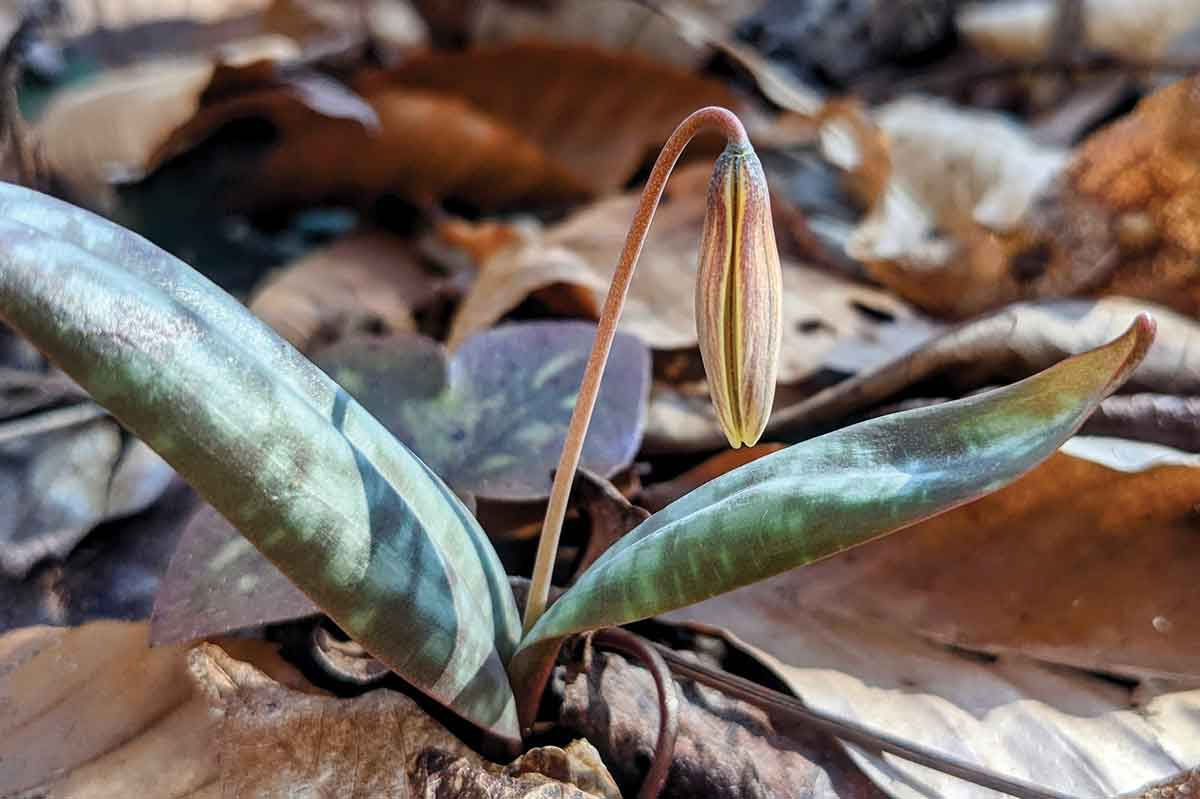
(712, 118)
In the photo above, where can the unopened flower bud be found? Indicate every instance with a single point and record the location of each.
(738, 296)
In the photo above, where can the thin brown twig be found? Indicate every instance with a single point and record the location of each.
(791, 708)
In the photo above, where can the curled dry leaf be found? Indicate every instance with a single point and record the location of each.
(1007, 345)
(94, 712)
(1021, 29)
(122, 126)
(1064, 730)
(819, 309)
(367, 281)
(948, 190)
(610, 515)
(546, 772)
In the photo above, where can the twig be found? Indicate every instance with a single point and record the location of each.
(723, 121)
(791, 708)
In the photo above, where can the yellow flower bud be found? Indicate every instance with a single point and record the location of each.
(738, 295)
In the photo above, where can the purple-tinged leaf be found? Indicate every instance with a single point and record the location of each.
(218, 582)
(490, 419)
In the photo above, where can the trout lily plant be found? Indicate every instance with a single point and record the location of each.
(381, 545)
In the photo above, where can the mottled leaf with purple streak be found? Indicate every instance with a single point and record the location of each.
(358, 522)
(490, 420)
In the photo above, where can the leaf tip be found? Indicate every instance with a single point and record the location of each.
(1139, 336)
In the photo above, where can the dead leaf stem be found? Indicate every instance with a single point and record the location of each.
(793, 709)
(635, 646)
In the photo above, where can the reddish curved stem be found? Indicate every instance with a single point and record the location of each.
(713, 117)
(635, 646)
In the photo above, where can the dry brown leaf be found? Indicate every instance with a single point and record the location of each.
(1154, 418)
(599, 114)
(70, 696)
(820, 310)
(428, 146)
(277, 742)
(543, 773)
(449, 128)
(93, 712)
(1020, 29)
(1064, 730)
(1131, 200)
(124, 124)
(367, 281)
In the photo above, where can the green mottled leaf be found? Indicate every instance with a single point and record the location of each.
(830, 493)
(491, 419)
(361, 525)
